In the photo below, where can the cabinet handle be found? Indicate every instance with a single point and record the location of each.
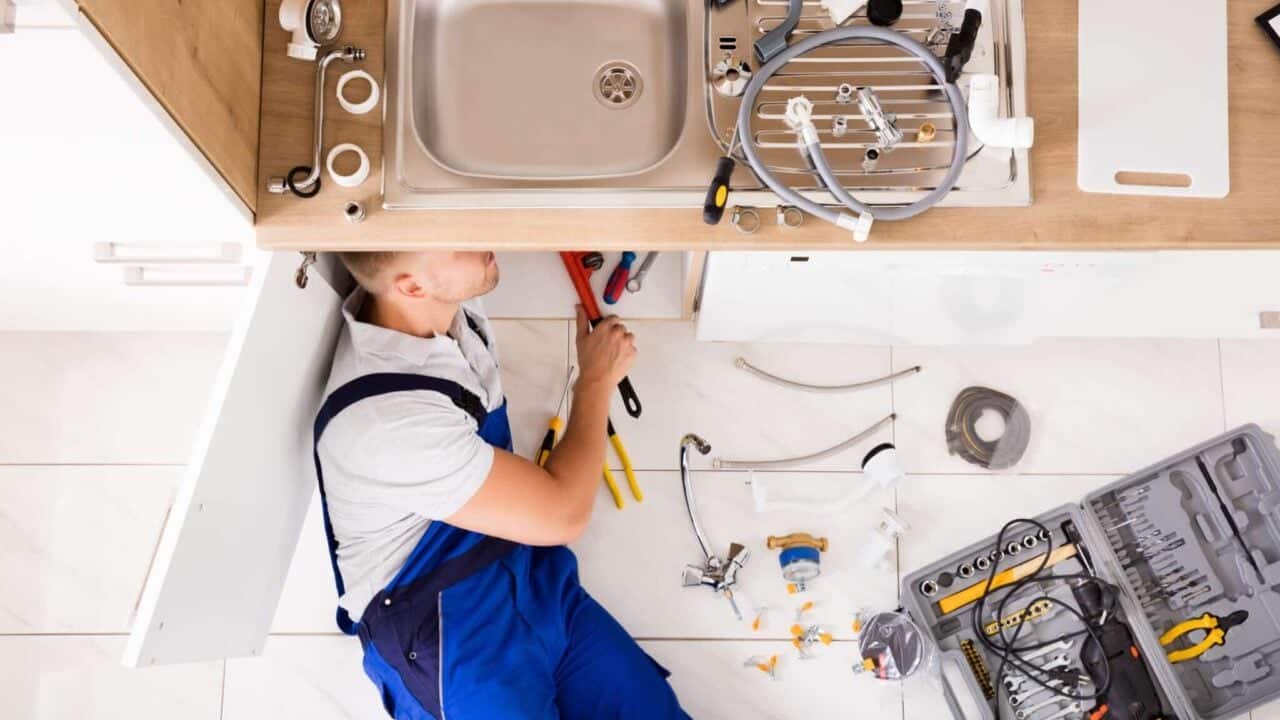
(187, 276)
(113, 252)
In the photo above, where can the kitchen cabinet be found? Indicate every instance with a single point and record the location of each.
(115, 248)
(887, 297)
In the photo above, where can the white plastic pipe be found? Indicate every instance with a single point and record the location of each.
(986, 123)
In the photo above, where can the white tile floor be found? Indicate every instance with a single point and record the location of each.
(95, 428)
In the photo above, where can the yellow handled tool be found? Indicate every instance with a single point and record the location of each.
(973, 593)
(554, 427)
(1215, 629)
(549, 440)
(630, 472)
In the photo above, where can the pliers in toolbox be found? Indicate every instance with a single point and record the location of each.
(1214, 627)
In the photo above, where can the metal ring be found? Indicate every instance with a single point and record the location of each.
(752, 219)
(790, 216)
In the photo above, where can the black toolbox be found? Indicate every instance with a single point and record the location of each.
(1195, 537)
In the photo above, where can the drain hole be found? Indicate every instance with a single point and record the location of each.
(618, 85)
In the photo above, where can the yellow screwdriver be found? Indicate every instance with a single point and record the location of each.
(555, 426)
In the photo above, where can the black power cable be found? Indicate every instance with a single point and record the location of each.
(1057, 680)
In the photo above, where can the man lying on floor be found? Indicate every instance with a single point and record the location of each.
(448, 550)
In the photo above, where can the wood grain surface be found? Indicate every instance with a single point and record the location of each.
(202, 60)
(1062, 217)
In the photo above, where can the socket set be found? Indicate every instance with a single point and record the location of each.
(982, 562)
(1189, 548)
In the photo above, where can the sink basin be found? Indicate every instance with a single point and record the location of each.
(620, 103)
(549, 89)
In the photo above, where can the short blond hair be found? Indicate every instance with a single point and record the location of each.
(366, 267)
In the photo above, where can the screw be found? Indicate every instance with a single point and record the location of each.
(354, 212)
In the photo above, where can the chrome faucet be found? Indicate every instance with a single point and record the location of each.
(719, 574)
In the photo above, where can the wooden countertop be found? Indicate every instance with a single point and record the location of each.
(1061, 217)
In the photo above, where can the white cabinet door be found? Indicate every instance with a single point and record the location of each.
(230, 536)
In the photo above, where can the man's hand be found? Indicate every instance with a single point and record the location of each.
(547, 506)
(605, 354)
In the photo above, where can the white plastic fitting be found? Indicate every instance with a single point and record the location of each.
(881, 468)
(293, 18)
(876, 550)
(860, 226)
(992, 130)
(841, 10)
(313, 24)
(799, 112)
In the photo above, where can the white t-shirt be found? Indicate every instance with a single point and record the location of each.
(393, 463)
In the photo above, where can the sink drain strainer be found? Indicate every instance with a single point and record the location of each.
(618, 85)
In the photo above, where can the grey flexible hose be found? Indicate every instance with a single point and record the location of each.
(814, 151)
(810, 387)
(719, 464)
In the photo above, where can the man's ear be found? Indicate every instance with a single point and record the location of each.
(407, 284)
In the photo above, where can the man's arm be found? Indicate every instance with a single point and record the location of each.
(551, 506)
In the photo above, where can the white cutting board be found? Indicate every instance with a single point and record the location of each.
(1153, 97)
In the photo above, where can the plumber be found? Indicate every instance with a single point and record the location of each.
(448, 550)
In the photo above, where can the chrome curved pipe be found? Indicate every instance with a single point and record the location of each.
(347, 54)
(703, 447)
(742, 363)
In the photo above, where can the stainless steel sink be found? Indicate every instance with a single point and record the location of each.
(611, 103)
(549, 89)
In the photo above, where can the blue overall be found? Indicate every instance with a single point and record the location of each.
(474, 626)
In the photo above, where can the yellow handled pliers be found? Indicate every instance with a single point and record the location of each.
(1214, 627)
(609, 482)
